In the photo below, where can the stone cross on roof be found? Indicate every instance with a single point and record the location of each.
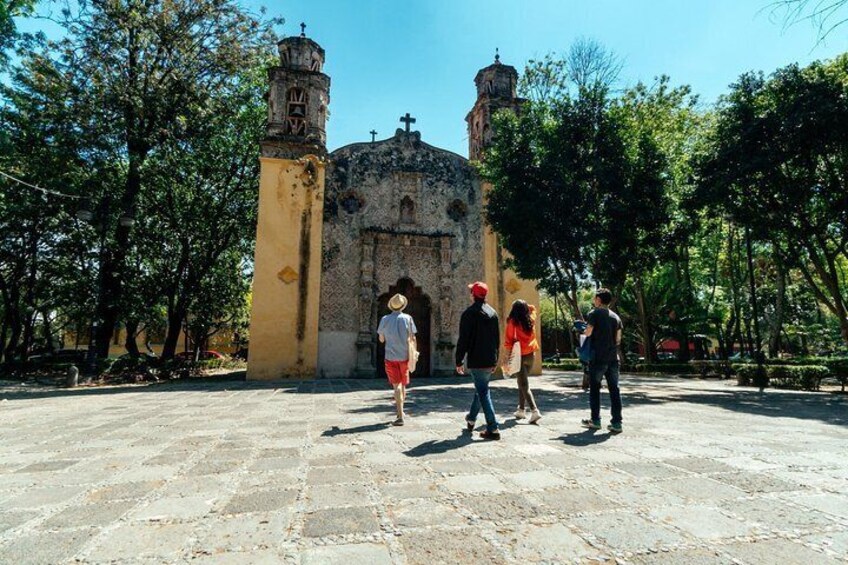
(373, 135)
(302, 29)
(407, 119)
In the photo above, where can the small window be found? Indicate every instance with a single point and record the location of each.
(457, 210)
(351, 202)
(316, 62)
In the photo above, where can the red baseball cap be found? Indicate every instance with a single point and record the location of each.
(479, 289)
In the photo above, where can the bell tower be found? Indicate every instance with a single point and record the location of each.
(497, 90)
(287, 264)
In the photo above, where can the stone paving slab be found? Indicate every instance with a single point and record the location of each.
(313, 473)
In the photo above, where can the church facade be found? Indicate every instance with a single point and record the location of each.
(339, 233)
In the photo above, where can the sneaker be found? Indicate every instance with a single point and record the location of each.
(398, 422)
(615, 428)
(519, 414)
(470, 425)
(495, 435)
(535, 416)
(591, 424)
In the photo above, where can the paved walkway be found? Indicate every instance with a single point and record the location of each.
(310, 473)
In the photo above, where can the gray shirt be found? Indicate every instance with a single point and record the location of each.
(396, 328)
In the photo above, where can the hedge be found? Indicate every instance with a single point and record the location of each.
(664, 368)
(803, 377)
(565, 365)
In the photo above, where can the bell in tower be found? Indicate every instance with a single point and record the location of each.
(496, 90)
(297, 101)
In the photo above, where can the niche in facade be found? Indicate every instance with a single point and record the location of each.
(407, 210)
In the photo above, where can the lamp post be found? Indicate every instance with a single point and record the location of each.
(98, 221)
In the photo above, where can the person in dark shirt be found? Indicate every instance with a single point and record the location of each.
(604, 329)
(478, 345)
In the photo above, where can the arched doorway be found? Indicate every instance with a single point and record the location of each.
(420, 310)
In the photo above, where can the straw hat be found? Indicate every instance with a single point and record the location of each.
(397, 302)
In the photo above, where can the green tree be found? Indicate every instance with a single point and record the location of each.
(199, 212)
(10, 9)
(141, 75)
(776, 164)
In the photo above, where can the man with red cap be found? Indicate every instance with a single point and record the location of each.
(478, 347)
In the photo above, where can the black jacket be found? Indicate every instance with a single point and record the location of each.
(479, 336)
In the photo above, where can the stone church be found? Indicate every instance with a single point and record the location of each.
(338, 233)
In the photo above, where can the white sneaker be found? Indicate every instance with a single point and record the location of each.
(535, 416)
(519, 414)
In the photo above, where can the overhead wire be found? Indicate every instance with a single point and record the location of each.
(43, 190)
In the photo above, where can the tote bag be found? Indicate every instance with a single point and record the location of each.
(514, 364)
(413, 354)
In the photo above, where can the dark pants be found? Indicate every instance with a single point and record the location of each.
(525, 395)
(597, 371)
(482, 399)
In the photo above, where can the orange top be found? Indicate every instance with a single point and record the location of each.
(515, 332)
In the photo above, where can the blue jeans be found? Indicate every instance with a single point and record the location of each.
(484, 398)
(597, 371)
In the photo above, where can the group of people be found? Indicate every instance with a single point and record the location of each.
(479, 352)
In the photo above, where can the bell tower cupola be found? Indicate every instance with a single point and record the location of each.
(298, 100)
(496, 90)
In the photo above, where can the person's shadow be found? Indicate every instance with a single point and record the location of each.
(337, 431)
(432, 447)
(586, 437)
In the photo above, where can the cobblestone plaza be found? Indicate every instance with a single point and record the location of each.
(311, 472)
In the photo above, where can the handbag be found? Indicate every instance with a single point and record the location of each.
(513, 366)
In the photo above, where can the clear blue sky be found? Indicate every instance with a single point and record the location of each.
(388, 57)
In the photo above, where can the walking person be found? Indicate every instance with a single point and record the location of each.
(604, 329)
(477, 347)
(397, 330)
(520, 328)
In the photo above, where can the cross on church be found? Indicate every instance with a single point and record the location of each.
(373, 135)
(302, 29)
(407, 119)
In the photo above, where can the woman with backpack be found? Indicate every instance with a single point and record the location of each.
(521, 330)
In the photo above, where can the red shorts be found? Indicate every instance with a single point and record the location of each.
(398, 372)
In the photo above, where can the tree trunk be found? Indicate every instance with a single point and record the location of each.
(14, 338)
(776, 328)
(132, 334)
(644, 322)
(47, 331)
(175, 325)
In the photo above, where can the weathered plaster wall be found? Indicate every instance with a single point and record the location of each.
(287, 279)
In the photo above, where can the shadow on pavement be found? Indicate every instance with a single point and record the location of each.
(431, 447)
(337, 431)
(586, 437)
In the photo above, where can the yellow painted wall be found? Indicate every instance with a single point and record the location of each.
(287, 277)
(222, 342)
(505, 286)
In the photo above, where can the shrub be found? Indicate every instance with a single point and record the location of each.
(565, 365)
(662, 368)
(804, 377)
